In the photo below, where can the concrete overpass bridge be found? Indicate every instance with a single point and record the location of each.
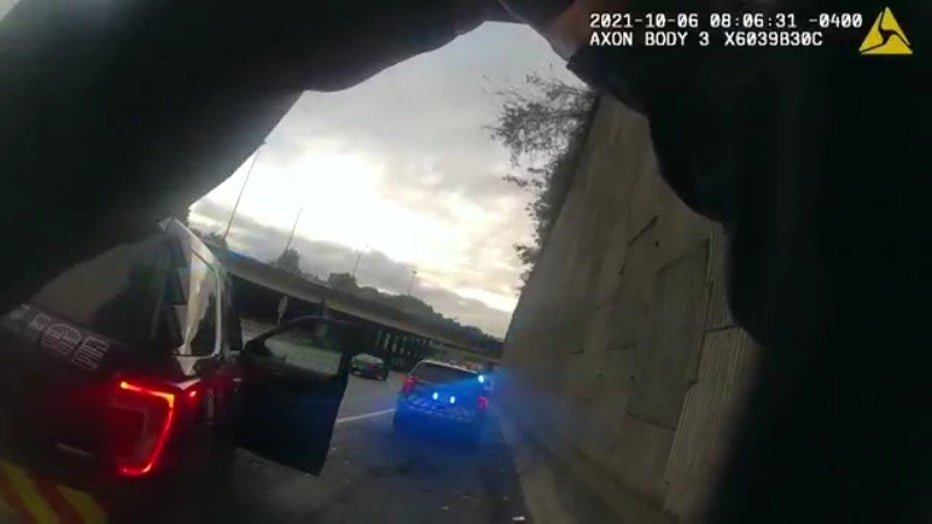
(395, 334)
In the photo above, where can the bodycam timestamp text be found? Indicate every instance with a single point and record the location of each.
(715, 29)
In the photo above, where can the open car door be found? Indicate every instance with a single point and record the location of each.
(293, 380)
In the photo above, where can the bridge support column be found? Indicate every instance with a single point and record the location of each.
(282, 309)
(375, 335)
(324, 310)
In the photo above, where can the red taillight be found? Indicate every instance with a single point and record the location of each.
(408, 384)
(142, 417)
(483, 402)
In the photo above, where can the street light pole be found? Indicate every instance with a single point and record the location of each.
(242, 188)
(356, 264)
(411, 282)
(293, 227)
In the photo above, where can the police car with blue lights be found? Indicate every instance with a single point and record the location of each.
(444, 396)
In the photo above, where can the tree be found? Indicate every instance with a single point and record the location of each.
(543, 127)
(182, 215)
(289, 260)
(343, 282)
(346, 282)
(216, 240)
(410, 304)
(369, 292)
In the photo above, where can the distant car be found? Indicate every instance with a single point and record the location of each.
(443, 395)
(369, 366)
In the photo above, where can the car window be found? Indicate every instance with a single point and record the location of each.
(116, 293)
(202, 310)
(231, 331)
(308, 348)
(441, 374)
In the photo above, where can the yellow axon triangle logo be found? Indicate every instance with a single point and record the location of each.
(885, 37)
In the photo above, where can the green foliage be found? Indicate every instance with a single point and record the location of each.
(343, 282)
(289, 261)
(369, 293)
(182, 215)
(543, 126)
(216, 239)
(412, 305)
(213, 240)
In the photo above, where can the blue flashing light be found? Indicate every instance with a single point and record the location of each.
(436, 396)
(482, 379)
(452, 400)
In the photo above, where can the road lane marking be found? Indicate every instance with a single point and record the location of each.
(365, 415)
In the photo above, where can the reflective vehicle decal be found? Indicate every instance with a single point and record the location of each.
(30, 499)
(91, 352)
(58, 338)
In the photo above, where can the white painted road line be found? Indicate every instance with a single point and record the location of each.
(365, 415)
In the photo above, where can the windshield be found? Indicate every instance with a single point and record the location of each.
(439, 374)
(317, 347)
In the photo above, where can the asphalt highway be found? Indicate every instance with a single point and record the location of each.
(375, 475)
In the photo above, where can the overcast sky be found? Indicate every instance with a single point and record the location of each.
(402, 164)
(401, 167)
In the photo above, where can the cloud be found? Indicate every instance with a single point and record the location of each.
(321, 258)
(5, 6)
(403, 163)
